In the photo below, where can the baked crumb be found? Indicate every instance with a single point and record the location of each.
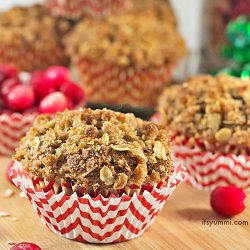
(214, 109)
(8, 193)
(10, 242)
(96, 147)
(4, 214)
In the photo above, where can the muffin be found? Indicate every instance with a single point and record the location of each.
(76, 9)
(209, 118)
(30, 38)
(127, 59)
(91, 161)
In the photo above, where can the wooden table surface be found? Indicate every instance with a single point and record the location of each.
(179, 225)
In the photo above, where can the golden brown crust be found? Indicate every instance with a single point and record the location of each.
(214, 109)
(31, 35)
(145, 36)
(162, 9)
(101, 147)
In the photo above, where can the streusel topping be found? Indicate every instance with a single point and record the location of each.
(33, 29)
(143, 37)
(163, 9)
(215, 109)
(101, 148)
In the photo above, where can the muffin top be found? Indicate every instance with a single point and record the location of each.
(145, 36)
(100, 148)
(31, 27)
(163, 9)
(214, 109)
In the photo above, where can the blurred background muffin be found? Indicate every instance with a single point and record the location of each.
(210, 117)
(30, 38)
(127, 59)
(214, 110)
(76, 9)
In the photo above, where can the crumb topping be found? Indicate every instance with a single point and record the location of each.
(215, 109)
(33, 29)
(144, 36)
(101, 148)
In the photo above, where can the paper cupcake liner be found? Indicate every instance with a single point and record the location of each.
(99, 219)
(207, 169)
(75, 9)
(12, 128)
(30, 59)
(113, 84)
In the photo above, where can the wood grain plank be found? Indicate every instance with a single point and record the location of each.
(179, 225)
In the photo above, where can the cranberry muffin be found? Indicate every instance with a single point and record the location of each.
(128, 58)
(210, 121)
(30, 38)
(96, 176)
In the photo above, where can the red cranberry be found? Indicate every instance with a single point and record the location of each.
(228, 201)
(20, 98)
(41, 85)
(57, 75)
(25, 246)
(7, 71)
(73, 91)
(7, 85)
(2, 105)
(55, 102)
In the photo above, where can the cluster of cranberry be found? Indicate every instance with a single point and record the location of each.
(48, 91)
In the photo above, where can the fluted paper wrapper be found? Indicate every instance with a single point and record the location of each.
(13, 127)
(114, 84)
(208, 170)
(99, 219)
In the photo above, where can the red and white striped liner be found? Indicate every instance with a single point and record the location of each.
(13, 126)
(75, 9)
(99, 219)
(110, 83)
(207, 170)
